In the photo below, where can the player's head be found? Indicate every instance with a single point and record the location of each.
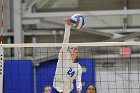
(47, 89)
(90, 89)
(73, 51)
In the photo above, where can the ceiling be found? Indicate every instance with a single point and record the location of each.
(85, 5)
(107, 20)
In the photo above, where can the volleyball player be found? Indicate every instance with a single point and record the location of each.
(90, 89)
(67, 67)
(47, 89)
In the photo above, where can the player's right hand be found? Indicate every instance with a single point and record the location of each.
(67, 21)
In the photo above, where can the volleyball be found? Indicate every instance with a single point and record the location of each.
(77, 21)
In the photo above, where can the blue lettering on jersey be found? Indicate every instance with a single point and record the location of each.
(71, 72)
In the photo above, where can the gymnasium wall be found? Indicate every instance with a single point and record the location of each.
(120, 77)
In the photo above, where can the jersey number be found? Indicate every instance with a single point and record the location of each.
(71, 72)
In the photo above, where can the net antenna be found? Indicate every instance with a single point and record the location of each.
(2, 20)
(1, 69)
(1, 48)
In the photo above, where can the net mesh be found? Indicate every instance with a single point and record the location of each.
(111, 68)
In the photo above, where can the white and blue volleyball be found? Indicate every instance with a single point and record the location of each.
(77, 21)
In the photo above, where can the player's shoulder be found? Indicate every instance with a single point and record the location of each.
(78, 64)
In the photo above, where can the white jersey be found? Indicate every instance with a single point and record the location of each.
(66, 70)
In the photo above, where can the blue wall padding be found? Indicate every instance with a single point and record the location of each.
(18, 76)
(89, 76)
(45, 73)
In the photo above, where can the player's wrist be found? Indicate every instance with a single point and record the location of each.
(67, 21)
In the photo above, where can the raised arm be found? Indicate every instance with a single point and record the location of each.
(66, 35)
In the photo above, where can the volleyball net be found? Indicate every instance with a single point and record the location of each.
(113, 67)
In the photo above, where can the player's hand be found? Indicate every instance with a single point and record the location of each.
(78, 90)
(67, 21)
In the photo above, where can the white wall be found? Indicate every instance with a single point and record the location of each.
(123, 77)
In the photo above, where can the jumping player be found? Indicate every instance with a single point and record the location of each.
(67, 67)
